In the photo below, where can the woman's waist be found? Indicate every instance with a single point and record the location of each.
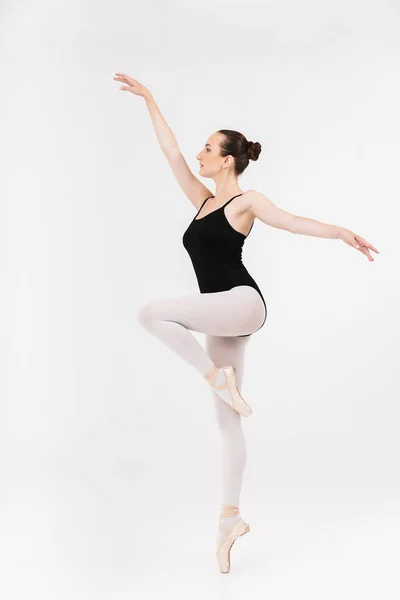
(225, 275)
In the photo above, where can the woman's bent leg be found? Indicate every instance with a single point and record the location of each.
(232, 313)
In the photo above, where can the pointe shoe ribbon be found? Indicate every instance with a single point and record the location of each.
(238, 403)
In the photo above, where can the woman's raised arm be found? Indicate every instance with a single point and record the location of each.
(190, 185)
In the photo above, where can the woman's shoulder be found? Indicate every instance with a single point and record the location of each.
(248, 198)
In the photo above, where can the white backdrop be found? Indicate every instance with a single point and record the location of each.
(107, 489)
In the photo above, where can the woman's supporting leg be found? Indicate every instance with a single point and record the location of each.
(229, 350)
(232, 313)
(222, 316)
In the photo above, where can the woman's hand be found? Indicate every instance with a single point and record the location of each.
(356, 241)
(131, 85)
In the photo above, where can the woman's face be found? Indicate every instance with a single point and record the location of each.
(210, 160)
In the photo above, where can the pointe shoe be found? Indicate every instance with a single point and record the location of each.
(224, 549)
(237, 402)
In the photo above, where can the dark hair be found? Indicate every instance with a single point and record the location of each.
(235, 144)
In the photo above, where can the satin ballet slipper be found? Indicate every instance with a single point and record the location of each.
(224, 549)
(237, 402)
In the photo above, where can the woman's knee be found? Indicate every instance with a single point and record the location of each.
(146, 314)
(155, 310)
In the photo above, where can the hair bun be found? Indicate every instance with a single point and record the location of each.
(254, 150)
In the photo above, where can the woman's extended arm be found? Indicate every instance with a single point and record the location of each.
(164, 134)
(268, 213)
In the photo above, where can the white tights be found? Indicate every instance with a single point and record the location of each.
(223, 317)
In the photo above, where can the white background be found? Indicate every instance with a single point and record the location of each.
(110, 481)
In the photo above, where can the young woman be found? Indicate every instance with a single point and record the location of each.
(230, 306)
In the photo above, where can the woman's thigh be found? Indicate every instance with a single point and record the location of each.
(235, 312)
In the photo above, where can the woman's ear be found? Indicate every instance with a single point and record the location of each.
(228, 160)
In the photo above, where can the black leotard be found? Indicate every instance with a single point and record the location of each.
(215, 249)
